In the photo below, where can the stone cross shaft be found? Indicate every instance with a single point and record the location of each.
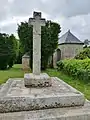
(37, 22)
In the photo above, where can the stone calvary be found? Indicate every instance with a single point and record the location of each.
(37, 78)
(38, 96)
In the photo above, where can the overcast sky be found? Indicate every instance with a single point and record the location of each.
(70, 14)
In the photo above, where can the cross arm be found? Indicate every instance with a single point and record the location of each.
(32, 21)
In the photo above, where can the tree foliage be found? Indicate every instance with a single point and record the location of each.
(13, 46)
(25, 36)
(8, 50)
(49, 40)
(20, 54)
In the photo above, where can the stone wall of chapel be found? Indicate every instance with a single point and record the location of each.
(70, 50)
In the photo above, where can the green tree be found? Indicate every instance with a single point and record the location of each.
(4, 51)
(49, 40)
(25, 35)
(20, 53)
(13, 49)
(8, 50)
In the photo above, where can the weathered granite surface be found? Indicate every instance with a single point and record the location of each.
(37, 22)
(25, 62)
(14, 96)
(1, 86)
(32, 80)
(70, 113)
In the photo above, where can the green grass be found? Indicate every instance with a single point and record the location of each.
(78, 84)
(17, 72)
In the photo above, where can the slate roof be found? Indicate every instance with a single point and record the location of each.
(68, 37)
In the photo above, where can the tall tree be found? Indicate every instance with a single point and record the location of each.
(25, 35)
(8, 50)
(13, 48)
(49, 40)
(4, 51)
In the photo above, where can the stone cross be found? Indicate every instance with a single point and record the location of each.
(37, 22)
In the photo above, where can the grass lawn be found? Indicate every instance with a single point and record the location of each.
(17, 72)
(78, 84)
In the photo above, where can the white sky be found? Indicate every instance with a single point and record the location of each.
(70, 14)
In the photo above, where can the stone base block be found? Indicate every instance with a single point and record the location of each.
(32, 80)
(68, 113)
(14, 96)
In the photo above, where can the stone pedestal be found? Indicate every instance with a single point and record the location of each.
(60, 101)
(25, 62)
(67, 113)
(32, 80)
(14, 96)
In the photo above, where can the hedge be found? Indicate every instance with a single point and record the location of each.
(77, 68)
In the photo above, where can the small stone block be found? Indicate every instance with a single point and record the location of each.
(32, 80)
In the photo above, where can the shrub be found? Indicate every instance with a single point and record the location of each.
(76, 68)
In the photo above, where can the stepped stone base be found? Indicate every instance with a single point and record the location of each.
(1, 86)
(32, 80)
(14, 96)
(70, 113)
